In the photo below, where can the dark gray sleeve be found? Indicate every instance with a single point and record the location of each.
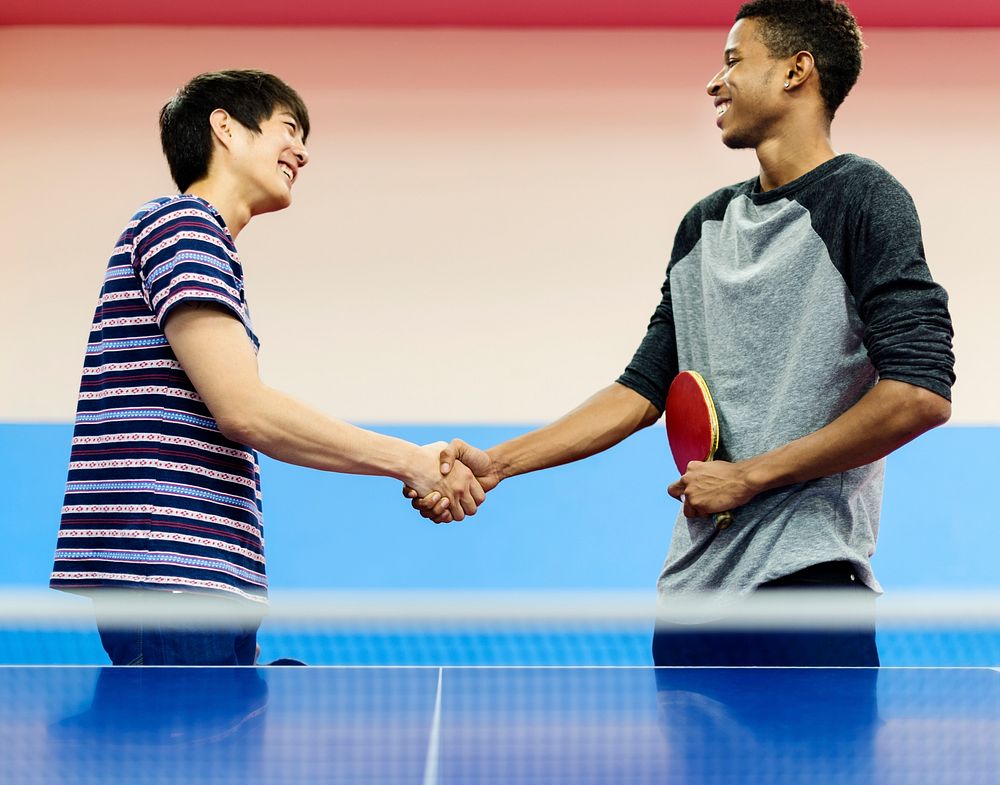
(908, 330)
(654, 364)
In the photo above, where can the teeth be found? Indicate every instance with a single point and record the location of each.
(285, 170)
(721, 109)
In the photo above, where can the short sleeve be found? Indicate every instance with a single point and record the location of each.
(655, 364)
(182, 254)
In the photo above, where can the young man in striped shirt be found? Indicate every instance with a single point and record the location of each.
(164, 487)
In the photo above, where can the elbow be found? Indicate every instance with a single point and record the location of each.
(238, 427)
(241, 415)
(942, 411)
(649, 417)
(928, 409)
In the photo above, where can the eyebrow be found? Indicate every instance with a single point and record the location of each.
(733, 50)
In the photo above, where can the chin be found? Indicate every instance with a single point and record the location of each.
(273, 205)
(735, 141)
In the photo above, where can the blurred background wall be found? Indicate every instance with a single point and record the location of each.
(475, 247)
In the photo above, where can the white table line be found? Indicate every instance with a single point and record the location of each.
(434, 743)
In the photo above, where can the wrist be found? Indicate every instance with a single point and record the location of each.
(414, 467)
(500, 464)
(762, 473)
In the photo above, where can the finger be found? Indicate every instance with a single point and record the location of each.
(463, 499)
(453, 507)
(477, 492)
(693, 510)
(427, 502)
(677, 489)
(473, 489)
(439, 510)
(447, 458)
(409, 493)
(445, 517)
(468, 504)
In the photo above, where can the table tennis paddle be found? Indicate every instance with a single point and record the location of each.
(693, 427)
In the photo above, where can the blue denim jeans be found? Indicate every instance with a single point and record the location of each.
(153, 641)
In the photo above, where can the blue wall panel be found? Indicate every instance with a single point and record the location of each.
(598, 524)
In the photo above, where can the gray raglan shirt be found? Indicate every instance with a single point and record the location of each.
(792, 304)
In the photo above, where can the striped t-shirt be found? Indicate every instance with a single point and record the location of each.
(157, 497)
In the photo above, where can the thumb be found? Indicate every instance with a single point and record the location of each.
(478, 461)
(448, 455)
(676, 489)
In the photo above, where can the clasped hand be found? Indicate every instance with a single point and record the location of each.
(466, 475)
(711, 487)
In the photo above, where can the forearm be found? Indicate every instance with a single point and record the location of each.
(286, 429)
(887, 417)
(213, 350)
(599, 423)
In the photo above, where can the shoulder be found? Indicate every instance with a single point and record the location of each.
(178, 221)
(711, 208)
(866, 180)
(181, 211)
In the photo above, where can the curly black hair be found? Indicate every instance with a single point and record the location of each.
(825, 28)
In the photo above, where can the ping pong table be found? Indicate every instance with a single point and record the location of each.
(374, 725)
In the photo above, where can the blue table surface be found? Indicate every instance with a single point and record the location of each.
(499, 725)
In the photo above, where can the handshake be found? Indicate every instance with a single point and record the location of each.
(459, 480)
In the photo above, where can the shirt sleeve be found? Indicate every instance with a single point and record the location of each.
(182, 255)
(908, 329)
(654, 364)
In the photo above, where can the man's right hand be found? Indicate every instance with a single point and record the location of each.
(433, 506)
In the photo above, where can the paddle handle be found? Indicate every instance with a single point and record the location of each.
(723, 520)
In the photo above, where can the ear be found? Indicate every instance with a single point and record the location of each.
(222, 127)
(800, 69)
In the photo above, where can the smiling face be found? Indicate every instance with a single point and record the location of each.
(268, 164)
(748, 90)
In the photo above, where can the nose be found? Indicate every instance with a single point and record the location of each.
(301, 155)
(716, 82)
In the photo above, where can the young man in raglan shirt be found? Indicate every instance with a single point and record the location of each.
(803, 297)
(163, 495)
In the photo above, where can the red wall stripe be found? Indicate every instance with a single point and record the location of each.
(477, 13)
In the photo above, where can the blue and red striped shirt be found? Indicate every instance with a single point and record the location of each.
(157, 497)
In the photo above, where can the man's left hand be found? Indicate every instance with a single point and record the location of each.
(715, 486)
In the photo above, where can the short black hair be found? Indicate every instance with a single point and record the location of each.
(825, 28)
(247, 95)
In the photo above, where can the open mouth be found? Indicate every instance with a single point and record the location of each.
(287, 171)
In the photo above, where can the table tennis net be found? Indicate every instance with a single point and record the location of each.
(513, 628)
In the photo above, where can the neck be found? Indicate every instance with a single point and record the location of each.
(224, 198)
(787, 156)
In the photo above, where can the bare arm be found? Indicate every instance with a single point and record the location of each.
(891, 414)
(212, 348)
(600, 422)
